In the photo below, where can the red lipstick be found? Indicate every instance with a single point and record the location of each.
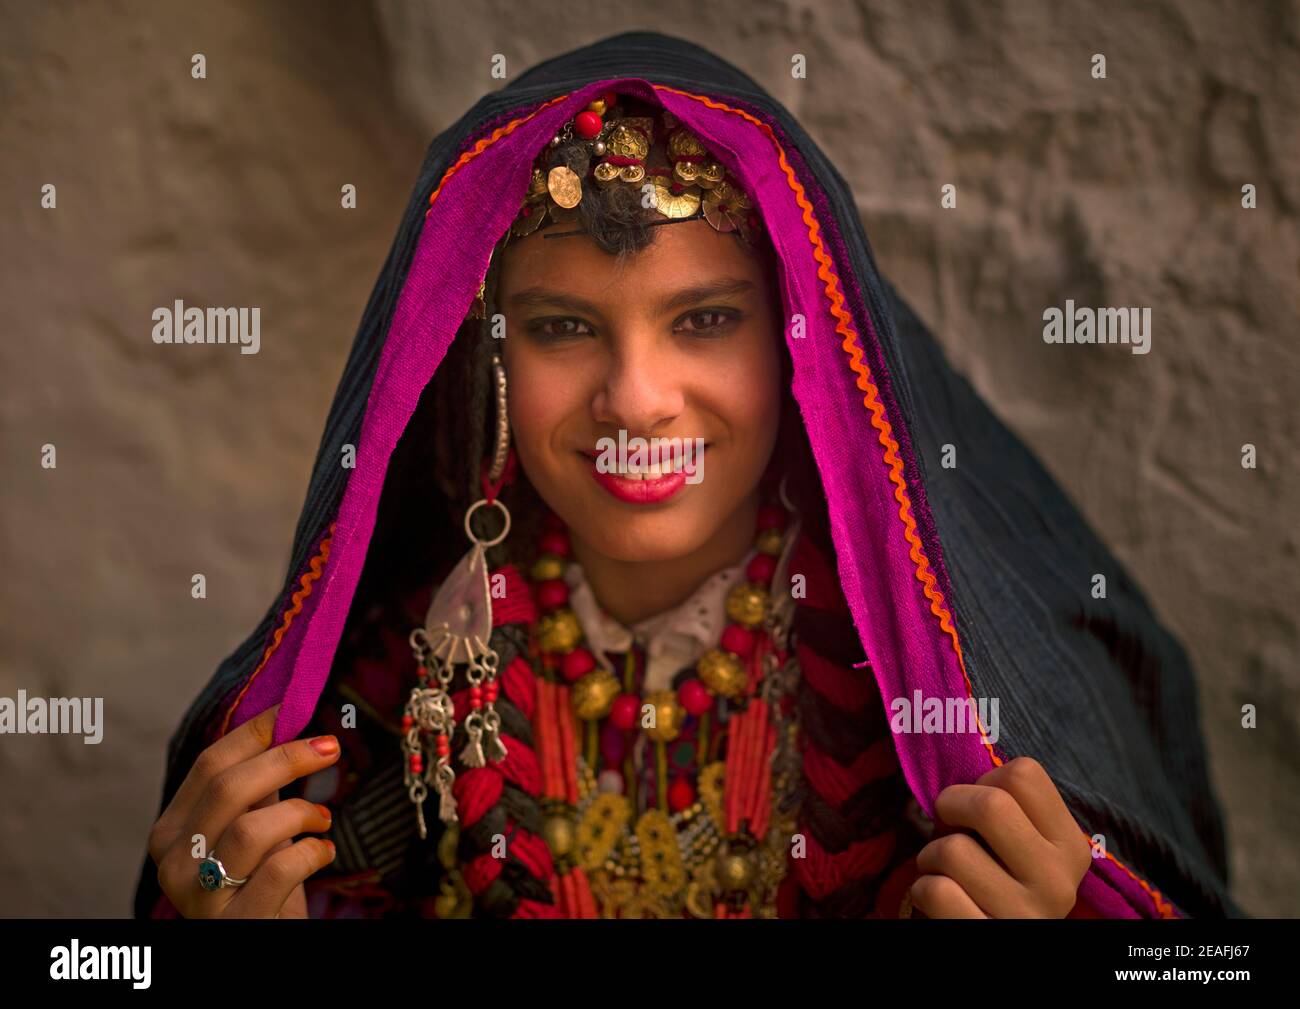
(631, 491)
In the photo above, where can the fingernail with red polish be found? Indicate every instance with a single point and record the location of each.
(326, 746)
(324, 811)
(331, 847)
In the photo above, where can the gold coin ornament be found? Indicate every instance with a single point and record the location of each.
(746, 604)
(594, 694)
(685, 145)
(547, 568)
(712, 174)
(564, 186)
(560, 834)
(769, 542)
(559, 632)
(675, 205)
(726, 207)
(735, 870)
(686, 172)
(722, 673)
(670, 716)
(627, 141)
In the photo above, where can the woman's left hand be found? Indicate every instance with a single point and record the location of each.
(1039, 854)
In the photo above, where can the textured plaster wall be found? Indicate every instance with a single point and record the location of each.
(181, 460)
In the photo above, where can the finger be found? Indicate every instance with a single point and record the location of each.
(178, 873)
(965, 861)
(235, 789)
(255, 834)
(996, 816)
(178, 878)
(274, 880)
(250, 739)
(266, 800)
(941, 897)
(296, 905)
(1028, 781)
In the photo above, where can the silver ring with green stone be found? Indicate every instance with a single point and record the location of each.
(213, 875)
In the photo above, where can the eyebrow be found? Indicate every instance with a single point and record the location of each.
(725, 287)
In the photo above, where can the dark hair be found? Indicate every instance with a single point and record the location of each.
(611, 215)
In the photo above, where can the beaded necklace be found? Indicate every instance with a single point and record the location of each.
(713, 848)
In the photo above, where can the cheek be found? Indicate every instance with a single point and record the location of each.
(540, 399)
(531, 416)
(749, 395)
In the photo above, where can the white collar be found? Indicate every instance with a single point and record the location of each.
(673, 639)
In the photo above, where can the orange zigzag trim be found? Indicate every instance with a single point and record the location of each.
(844, 327)
(307, 581)
(484, 144)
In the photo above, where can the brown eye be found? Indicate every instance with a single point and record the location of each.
(558, 328)
(705, 321)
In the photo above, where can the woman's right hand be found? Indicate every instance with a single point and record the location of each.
(231, 797)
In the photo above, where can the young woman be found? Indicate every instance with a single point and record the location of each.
(724, 640)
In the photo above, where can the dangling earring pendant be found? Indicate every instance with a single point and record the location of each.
(472, 755)
(483, 724)
(458, 629)
(427, 725)
(496, 750)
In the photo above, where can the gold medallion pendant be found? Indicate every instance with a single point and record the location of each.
(678, 865)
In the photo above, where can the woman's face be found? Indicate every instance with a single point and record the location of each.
(678, 343)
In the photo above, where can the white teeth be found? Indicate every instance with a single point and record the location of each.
(653, 473)
(667, 464)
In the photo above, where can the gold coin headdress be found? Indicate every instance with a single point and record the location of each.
(674, 174)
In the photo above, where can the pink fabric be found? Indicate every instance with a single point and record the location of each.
(272, 683)
(907, 647)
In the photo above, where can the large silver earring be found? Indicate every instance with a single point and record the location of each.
(458, 628)
(783, 492)
(501, 449)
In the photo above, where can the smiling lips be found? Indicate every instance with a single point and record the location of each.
(649, 486)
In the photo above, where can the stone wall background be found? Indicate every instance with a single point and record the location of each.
(171, 461)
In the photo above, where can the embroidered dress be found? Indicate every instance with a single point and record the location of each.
(382, 868)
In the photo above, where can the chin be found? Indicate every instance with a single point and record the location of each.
(643, 539)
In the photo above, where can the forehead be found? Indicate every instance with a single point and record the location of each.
(680, 255)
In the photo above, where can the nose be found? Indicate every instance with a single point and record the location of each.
(641, 390)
